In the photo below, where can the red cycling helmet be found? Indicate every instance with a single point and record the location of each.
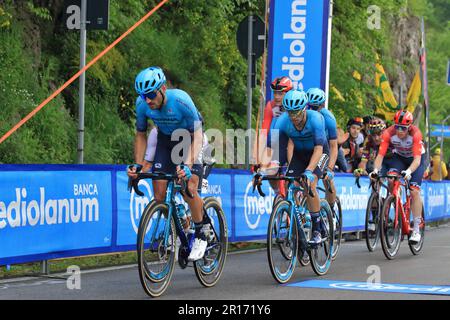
(403, 118)
(283, 84)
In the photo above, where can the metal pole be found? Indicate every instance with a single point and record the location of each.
(327, 80)
(44, 268)
(249, 91)
(82, 81)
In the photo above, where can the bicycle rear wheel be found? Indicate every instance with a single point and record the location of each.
(279, 233)
(156, 249)
(416, 248)
(209, 269)
(337, 227)
(390, 235)
(320, 255)
(372, 224)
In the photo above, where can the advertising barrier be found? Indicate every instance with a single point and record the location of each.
(57, 211)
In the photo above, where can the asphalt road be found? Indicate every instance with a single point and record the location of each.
(247, 276)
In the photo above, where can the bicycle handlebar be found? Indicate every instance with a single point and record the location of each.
(301, 179)
(357, 182)
(378, 177)
(133, 183)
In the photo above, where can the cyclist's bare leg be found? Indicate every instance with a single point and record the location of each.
(416, 202)
(159, 190)
(313, 202)
(331, 197)
(195, 203)
(274, 185)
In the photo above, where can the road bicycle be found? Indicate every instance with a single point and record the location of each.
(395, 221)
(288, 228)
(159, 227)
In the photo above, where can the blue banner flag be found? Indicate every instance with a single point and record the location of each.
(438, 130)
(298, 42)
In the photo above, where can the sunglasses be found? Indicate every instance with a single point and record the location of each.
(294, 113)
(401, 128)
(151, 95)
(374, 132)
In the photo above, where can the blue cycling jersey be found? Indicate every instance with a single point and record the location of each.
(330, 124)
(179, 112)
(313, 134)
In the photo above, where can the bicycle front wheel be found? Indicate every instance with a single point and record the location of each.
(156, 249)
(209, 269)
(390, 234)
(321, 254)
(372, 223)
(282, 233)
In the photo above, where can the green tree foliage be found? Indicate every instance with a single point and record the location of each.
(194, 41)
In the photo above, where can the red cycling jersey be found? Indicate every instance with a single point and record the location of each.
(410, 146)
(270, 111)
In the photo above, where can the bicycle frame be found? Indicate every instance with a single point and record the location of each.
(401, 208)
(170, 201)
(292, 189)
(171, 190)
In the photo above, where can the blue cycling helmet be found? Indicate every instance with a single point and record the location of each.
(295, 100)
(316, 96)
(149, 80)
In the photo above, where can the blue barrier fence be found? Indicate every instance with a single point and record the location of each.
(56, 211)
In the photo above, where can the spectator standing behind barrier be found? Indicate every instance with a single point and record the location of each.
(351, 145)
(341, 163)
(438, 174)
(364, 130)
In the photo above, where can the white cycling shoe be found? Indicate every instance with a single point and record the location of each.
(198, 249)
(316, 239)
(415, 237)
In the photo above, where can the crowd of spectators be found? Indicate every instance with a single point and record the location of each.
(351, 144)
(353, 151)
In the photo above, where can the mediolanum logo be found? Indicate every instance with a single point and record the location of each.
(31, 210)
(138, 204)
(295, 64)
(255, 206)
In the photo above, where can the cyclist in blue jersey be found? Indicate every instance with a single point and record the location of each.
(306, 130)
(171, 110)
(316, 101)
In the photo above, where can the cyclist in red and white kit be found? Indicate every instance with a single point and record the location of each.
(273, 110)
(405, 142)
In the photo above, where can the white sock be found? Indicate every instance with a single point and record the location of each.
(417, 222)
